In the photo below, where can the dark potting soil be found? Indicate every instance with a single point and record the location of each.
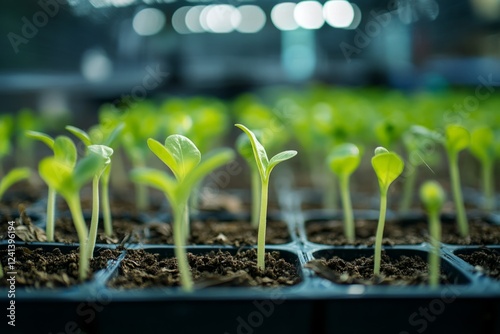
(141, 269)
(236, 233)
(486, 261)
(123, 231)
(404, 270)
(397, 233)
(332, 233)
(38, 268)
(207, 233)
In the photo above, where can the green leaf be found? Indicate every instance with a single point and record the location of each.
(212, 160)
(457, 138)
(344, 159)
(388, 166)
(114, 135)
(259, 152)
(13, 176)
(65, 150)
(433, 196)
(57, 175)
(280, 157)
(482, 143)
(244, 146)
(44, 138)
(102, 150)
(422, 131)
(157, 179)
(80, 134)
(88, 167)
(179, 154)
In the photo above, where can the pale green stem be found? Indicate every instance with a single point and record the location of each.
(51, 205)
(82, 231)
(261, 240)
(119, 179)
(141, 191)
(409, 187)
(180, 248)
(94, 221)
(349, 229)
(463, 225)
(380, 232)
(186, 228)
(106, 208)
(255, 197)
(435, 232)
(489, 194)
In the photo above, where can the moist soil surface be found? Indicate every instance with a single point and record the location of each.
(236, 233)
(486, 261)
(140, 269)
(397, 233)
(38, 268)
(404, 270)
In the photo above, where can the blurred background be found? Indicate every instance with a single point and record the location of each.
(59, 55)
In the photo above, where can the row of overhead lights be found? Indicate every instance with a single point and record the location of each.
(225, 18)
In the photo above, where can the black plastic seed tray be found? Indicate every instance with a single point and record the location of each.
(315, 305)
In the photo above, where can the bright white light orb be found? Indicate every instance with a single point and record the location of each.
(309, 14)
(252, 19)
(148, 22)
(193, 19)
(282, 16)
(179, 20)
(220, 18)
(338, 13)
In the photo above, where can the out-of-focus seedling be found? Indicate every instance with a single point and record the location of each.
(343, 161)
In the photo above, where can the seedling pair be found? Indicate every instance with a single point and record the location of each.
(67, 178)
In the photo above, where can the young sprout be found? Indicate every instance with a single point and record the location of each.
(13, 176)
(244, 147)
(482, 146)
(6, 124)
(388, 166)
(64, 150)
(343, 161)
(265, 167)
(432, 196)
(25, 120)
(107, 139)
(67, 179)
(457, 138)
(184, 160)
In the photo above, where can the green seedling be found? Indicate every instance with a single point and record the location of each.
(343, 161)
(265, 167)
(184, 160)
(457, 138)
(67, 180)
(107, 138)
(388, 166)
(141, 122)
(65, 151)
(432, 196)
(13, 176)
(25, 120)
(483, 147)
(416, 140)
(6, 124)
(244, 147)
